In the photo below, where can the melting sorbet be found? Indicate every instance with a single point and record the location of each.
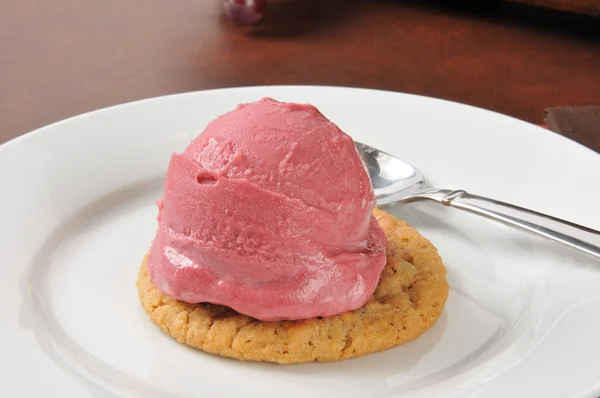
(268, 212)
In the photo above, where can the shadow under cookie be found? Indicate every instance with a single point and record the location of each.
(409, 299)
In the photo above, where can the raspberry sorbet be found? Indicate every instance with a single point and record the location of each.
(268, 212)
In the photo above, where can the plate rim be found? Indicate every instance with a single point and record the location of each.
(37, 131)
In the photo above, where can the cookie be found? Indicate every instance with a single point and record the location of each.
(409, 299)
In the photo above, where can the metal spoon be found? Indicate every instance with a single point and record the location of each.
(397, 182)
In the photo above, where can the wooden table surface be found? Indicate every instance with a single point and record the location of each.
(65, 57)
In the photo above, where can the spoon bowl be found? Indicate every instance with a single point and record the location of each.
(392, 178)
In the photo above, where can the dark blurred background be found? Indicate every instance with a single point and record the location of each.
(66, 57)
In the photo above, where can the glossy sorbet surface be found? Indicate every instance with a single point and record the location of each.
(268, 211)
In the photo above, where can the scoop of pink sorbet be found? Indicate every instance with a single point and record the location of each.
(268, 212)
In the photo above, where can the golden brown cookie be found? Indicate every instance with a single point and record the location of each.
(409, 299)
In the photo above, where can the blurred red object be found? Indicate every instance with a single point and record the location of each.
(246, 12)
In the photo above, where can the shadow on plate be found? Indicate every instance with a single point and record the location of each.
(35, 310)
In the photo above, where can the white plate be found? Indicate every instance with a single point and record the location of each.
(77, 214)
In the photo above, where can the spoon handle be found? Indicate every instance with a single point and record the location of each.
(573, 235)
